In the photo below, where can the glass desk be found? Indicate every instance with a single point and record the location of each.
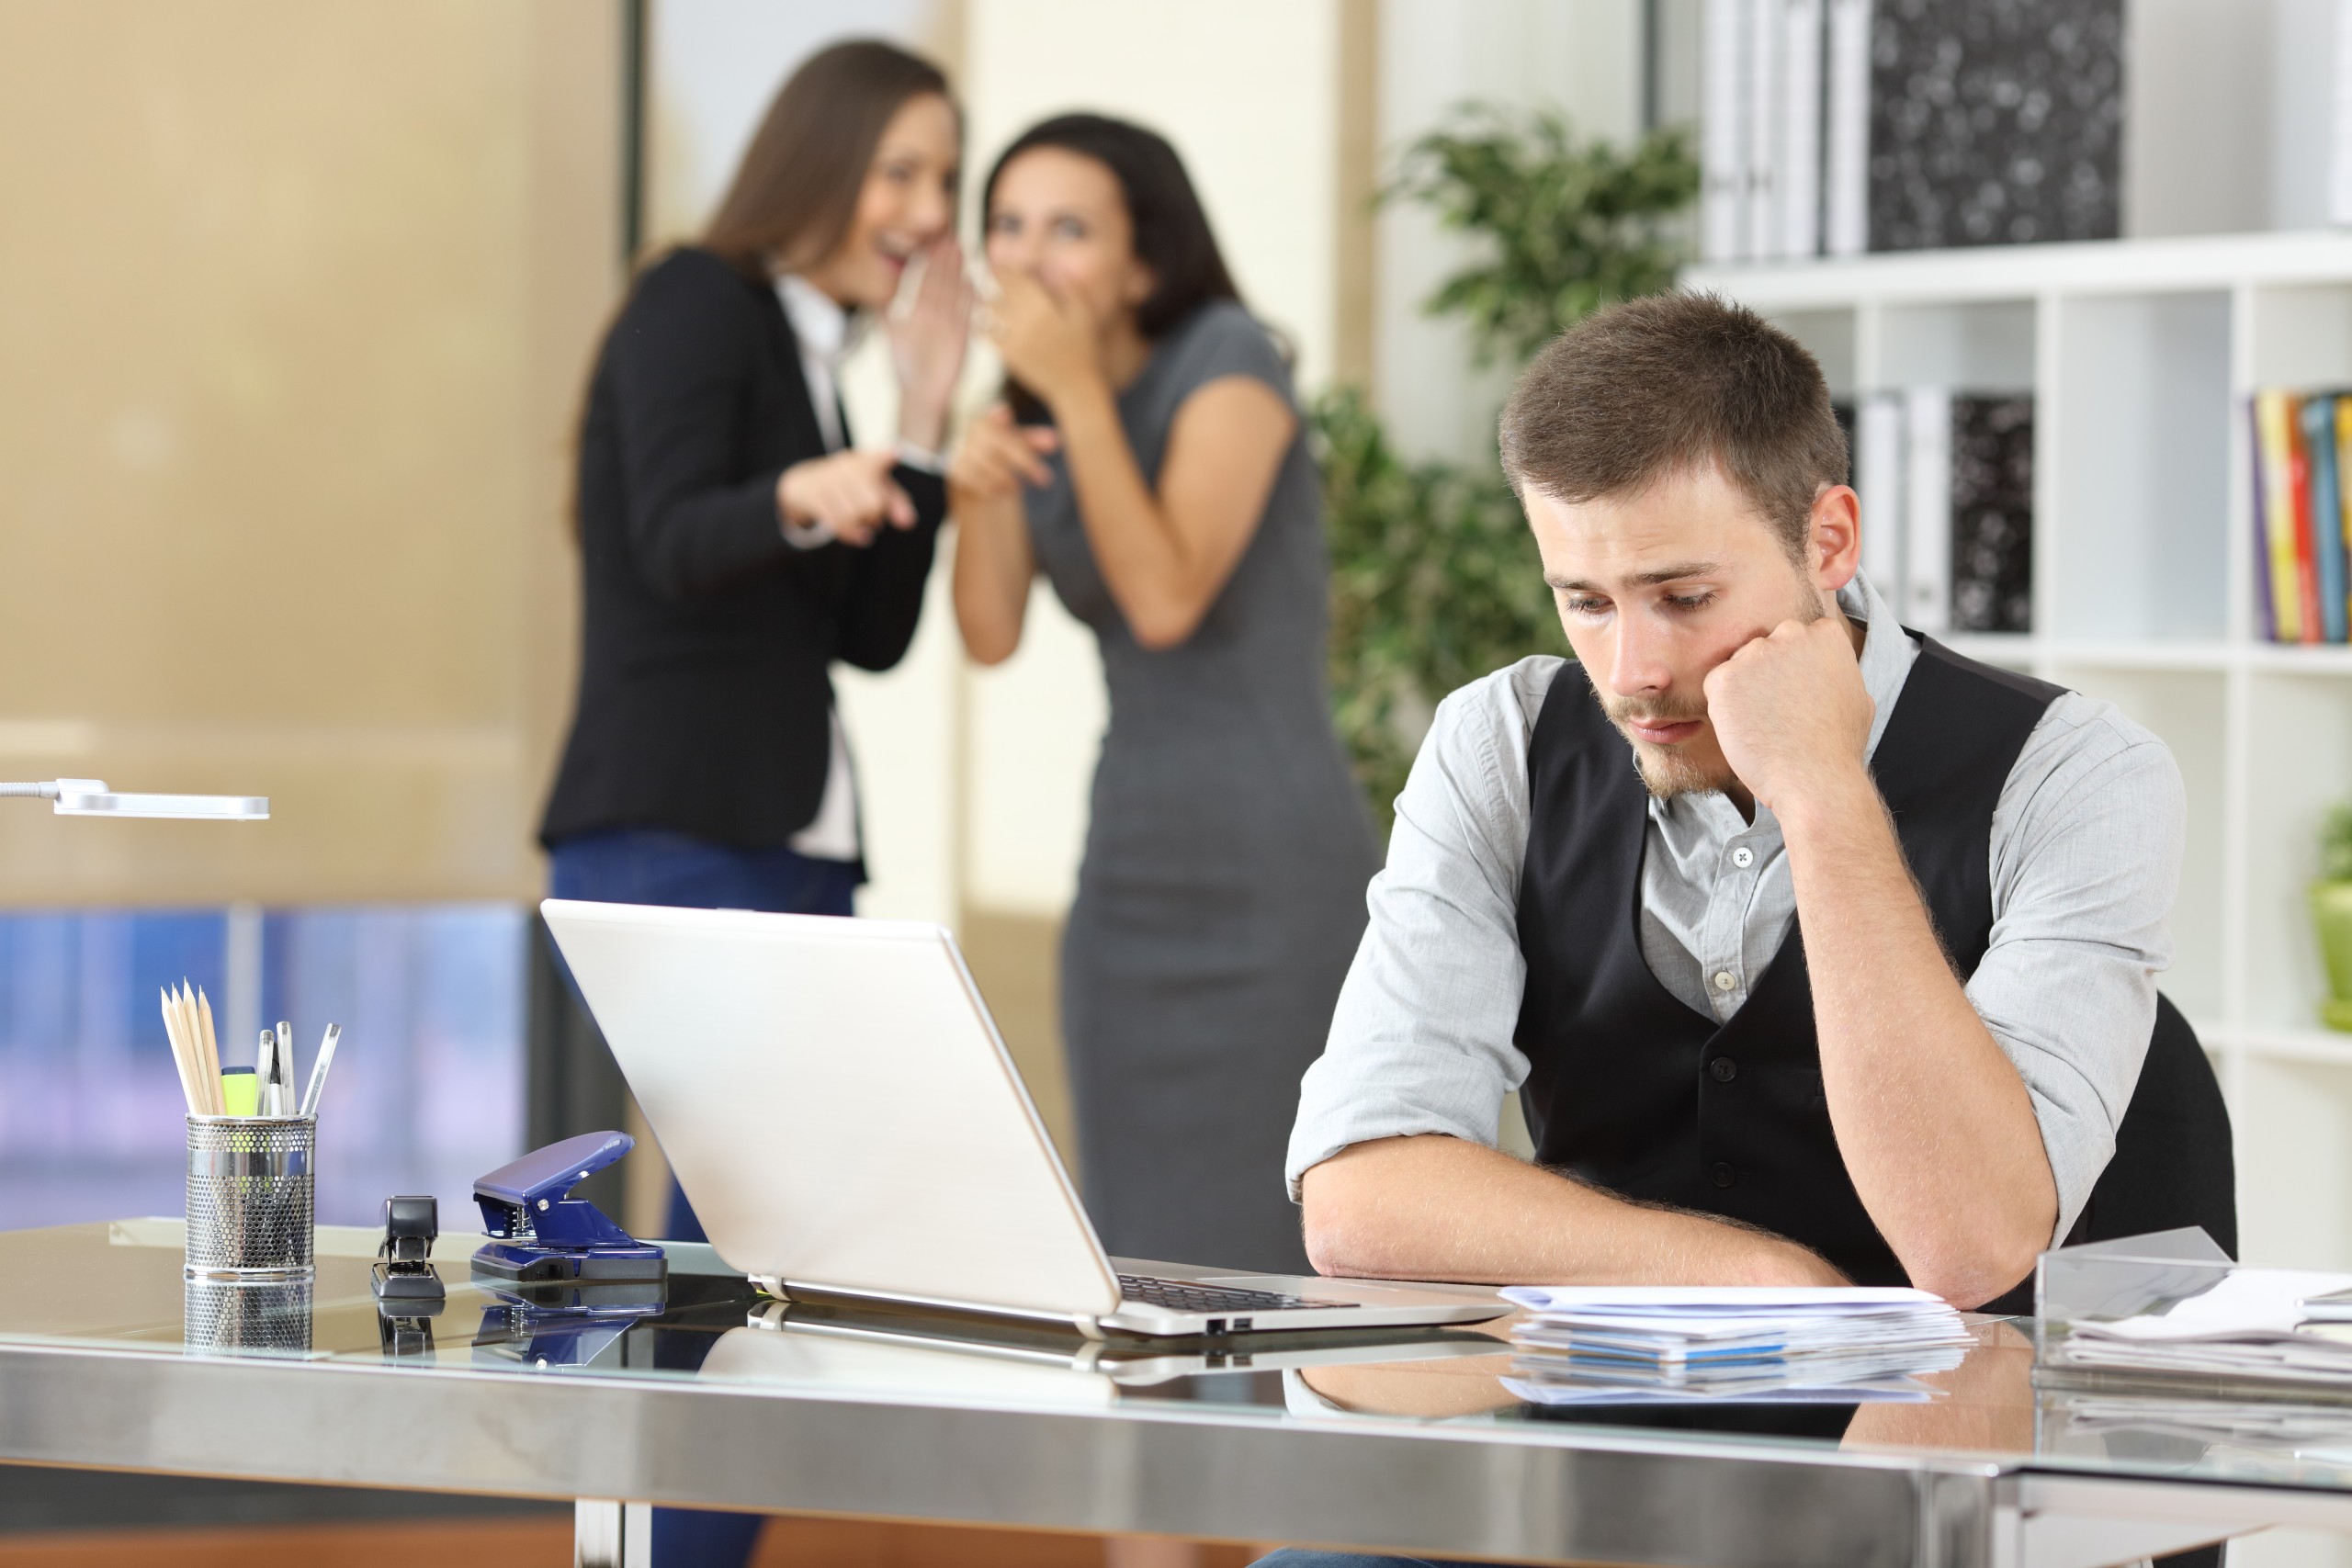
(1406, 1441)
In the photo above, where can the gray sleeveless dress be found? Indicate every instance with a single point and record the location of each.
(1222, 894)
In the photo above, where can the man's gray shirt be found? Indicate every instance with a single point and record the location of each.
(2086, 857)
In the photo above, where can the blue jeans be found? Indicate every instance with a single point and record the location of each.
(652, 865)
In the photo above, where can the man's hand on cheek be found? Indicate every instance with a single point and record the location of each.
(1791, 712)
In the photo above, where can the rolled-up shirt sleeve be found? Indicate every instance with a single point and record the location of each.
(2085, 859)
(1421, 1040)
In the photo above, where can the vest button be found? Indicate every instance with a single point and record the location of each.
(1723, 1070)
(1724, 1175)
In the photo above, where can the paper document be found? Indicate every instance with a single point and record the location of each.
(2252, 1324)
(1677, 1299)
(1594, 1343)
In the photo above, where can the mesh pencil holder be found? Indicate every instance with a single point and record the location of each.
(232, 1314)
(250, 1182)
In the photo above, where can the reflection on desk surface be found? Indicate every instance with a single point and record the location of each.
(119, 1286)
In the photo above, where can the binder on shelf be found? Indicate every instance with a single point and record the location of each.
(1995, 124)
(1762, 240)
(1927, 551)
(1846, 130)
(1885, 498)
(1799, 164)
(1992, 513)
(1723, 131)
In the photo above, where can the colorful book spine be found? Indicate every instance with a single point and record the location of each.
(2318, 416)
(2275, 424)
(2299, 486)
(2343, 446)
(2266, 603)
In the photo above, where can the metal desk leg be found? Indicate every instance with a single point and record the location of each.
(606, 1534)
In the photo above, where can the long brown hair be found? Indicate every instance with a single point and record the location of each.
(795, 194)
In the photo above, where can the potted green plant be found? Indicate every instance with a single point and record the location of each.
(2331, 914)
(1434, 581)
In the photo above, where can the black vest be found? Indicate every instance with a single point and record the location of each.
(1634, 1092)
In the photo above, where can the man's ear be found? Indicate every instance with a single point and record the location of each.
(1834, 536)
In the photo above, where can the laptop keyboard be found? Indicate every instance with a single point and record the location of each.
(1184, 1295)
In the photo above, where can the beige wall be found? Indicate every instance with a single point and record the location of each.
(298, 299)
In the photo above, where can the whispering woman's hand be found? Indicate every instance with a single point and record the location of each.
(1049, 340)
(927, 343)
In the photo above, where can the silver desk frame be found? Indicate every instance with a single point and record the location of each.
(1523, 1492)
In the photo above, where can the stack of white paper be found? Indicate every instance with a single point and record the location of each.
(2252, 1324)
(1589, 1343)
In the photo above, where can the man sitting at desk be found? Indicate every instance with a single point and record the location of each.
(1847, 976)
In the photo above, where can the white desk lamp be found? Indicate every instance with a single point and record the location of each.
(90, 797)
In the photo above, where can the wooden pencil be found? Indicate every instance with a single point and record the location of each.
(185, 1001)
(180, 1054)
(210, 1045)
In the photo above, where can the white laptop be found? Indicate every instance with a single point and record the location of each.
(840, 1110)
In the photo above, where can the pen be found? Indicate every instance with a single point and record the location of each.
(281, 1099)
(264, 1070)
(318, 1070)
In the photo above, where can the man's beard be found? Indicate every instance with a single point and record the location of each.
(1668, 771)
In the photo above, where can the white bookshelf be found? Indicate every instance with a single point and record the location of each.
(2141, 354)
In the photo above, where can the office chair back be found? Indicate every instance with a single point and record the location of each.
(2174, 1163)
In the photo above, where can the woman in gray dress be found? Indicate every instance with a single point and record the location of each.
(1172, 503)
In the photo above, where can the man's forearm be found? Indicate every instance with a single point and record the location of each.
(1433, 1207)
(1934, 1125)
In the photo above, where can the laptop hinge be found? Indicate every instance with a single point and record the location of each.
(1087, 1324)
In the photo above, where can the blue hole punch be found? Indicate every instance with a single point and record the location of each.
(540, 1235)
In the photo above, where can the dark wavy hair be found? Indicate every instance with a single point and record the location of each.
(795, 194)
(1171, 232)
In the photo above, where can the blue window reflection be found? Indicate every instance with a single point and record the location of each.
(427, 1088)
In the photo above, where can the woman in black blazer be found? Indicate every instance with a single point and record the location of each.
(732, 545)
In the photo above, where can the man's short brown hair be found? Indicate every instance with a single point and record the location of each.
(1671, 383)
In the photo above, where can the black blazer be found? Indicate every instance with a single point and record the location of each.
(706, 639)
